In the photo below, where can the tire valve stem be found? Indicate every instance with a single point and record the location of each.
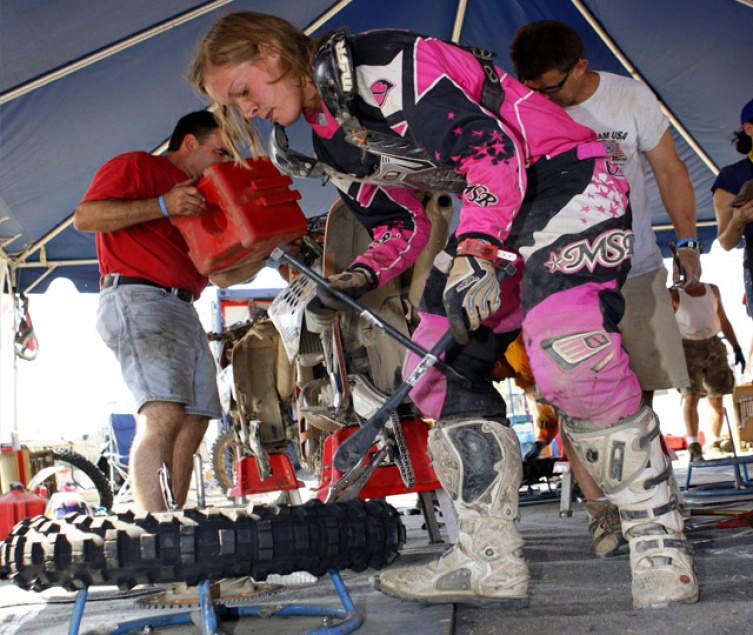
(166, 485)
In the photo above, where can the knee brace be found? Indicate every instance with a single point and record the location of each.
(629, 464)
(614, 456)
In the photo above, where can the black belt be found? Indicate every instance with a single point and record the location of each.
(115, 279)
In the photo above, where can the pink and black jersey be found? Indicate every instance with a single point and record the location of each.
(404, 89)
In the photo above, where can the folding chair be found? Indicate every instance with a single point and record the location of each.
(114, 456)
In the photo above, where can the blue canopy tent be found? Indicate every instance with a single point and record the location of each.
(83, 80)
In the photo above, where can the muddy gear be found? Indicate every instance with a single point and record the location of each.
(471, 295)
(605, 529)
(628, 463)
(478, 463)
(355, 282)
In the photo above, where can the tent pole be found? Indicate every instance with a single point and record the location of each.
(459, 19)
(594, 23)
(326, 16)
(44, 240)
(110, 50)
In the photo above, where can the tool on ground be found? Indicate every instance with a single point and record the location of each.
(738, 518)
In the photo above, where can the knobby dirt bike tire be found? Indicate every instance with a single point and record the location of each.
(97, 476)
(193, 545)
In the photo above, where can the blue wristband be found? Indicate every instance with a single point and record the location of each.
(692, 243)
(162, 206)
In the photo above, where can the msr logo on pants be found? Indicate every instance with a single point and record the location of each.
(609, 249)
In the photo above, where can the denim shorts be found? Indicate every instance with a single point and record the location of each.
(162, 348)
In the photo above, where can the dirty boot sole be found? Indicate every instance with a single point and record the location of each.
(677, 588)
(666, 604)
(481, 601)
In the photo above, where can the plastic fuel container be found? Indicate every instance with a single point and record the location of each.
(250, 212)
(16, 505)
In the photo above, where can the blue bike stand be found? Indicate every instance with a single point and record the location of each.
(740, 485)
(349, 620)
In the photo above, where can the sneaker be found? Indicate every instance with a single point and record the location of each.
(605, 529)
(714, 450)
(695, 451)
(726, 445)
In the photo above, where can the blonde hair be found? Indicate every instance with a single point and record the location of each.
(235, 39)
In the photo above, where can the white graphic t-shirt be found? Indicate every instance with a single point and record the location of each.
(628, 120)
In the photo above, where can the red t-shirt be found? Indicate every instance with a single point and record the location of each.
(155, 250)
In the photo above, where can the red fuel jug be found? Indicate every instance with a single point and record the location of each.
(16, 505)
(250, 212)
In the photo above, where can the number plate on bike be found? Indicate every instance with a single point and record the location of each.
(287, 310)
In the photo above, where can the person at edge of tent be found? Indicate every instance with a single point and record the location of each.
(733, 203)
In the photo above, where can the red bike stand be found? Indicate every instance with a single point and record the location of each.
(247, 481)
(386, 480)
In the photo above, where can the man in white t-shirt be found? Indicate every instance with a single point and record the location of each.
(549, 57)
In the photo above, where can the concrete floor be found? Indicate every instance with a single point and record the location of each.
(571, 591)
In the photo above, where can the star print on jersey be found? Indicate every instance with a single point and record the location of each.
(495, 146)
(604, 198)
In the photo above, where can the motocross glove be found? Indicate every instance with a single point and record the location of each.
(355, 282)
(318, 316)
(471, 295)
(739, 358)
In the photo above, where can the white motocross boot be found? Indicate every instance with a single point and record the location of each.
(478, 463)
(629, 464)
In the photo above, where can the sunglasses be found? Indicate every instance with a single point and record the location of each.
(547, 90)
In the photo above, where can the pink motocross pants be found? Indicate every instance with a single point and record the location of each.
(574, 239)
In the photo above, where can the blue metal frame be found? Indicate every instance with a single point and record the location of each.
(350, 618)
(741, 484)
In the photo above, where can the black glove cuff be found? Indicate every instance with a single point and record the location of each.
(371, 278)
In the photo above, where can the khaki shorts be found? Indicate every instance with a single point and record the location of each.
(650, 334)
(710, 374)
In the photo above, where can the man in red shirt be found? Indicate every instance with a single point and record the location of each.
(148, 284)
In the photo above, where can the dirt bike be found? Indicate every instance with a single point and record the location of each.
(298, 383)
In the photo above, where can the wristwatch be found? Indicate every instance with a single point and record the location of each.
(690, 243)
